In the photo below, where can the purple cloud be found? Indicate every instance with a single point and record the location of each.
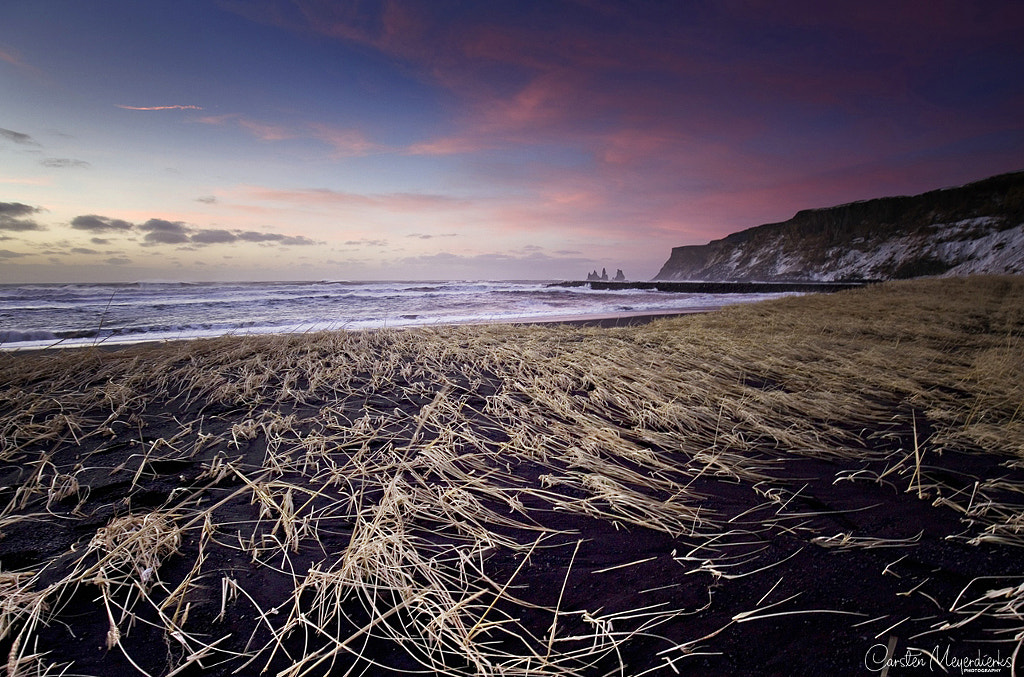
(100, 224)
(160, 231)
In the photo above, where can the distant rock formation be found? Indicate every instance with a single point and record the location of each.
(976, 228)
(603, 276)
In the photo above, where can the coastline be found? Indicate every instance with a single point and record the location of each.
(45, 316)
(604, 320)
(776, 488)
(608, 320)
(718, 287)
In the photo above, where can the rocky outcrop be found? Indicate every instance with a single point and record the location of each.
(977, 228)
(603, 276)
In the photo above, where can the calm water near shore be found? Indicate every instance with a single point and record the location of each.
(40, 315)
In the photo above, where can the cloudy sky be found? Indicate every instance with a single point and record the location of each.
(417, 139)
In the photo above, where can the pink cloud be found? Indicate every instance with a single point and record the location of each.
(397, 202)
(27, 181)
(12, 57)
(576, 199)
(454, 145)
(540, 112)
(217, 119)
(265, 132)
(345, 142)
(174, 107)
(261, 130)
(544, 101)
(626, 146)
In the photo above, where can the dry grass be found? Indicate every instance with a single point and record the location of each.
(428, 453)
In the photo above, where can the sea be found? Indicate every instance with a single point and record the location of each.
(57, 315)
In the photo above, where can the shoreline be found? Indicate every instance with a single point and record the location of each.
(718, 287)
(602, 320)
(88, 314)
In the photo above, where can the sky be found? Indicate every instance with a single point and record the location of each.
(474, 139)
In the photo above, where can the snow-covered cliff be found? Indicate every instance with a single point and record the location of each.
(977, 228)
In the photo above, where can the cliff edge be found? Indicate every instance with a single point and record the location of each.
(976, 228)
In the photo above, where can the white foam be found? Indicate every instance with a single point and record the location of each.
(41, 316)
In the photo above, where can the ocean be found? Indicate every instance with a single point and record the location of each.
(44, 315)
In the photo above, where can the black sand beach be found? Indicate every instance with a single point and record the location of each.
(827, 484)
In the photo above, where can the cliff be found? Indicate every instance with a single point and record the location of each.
(977, 228)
